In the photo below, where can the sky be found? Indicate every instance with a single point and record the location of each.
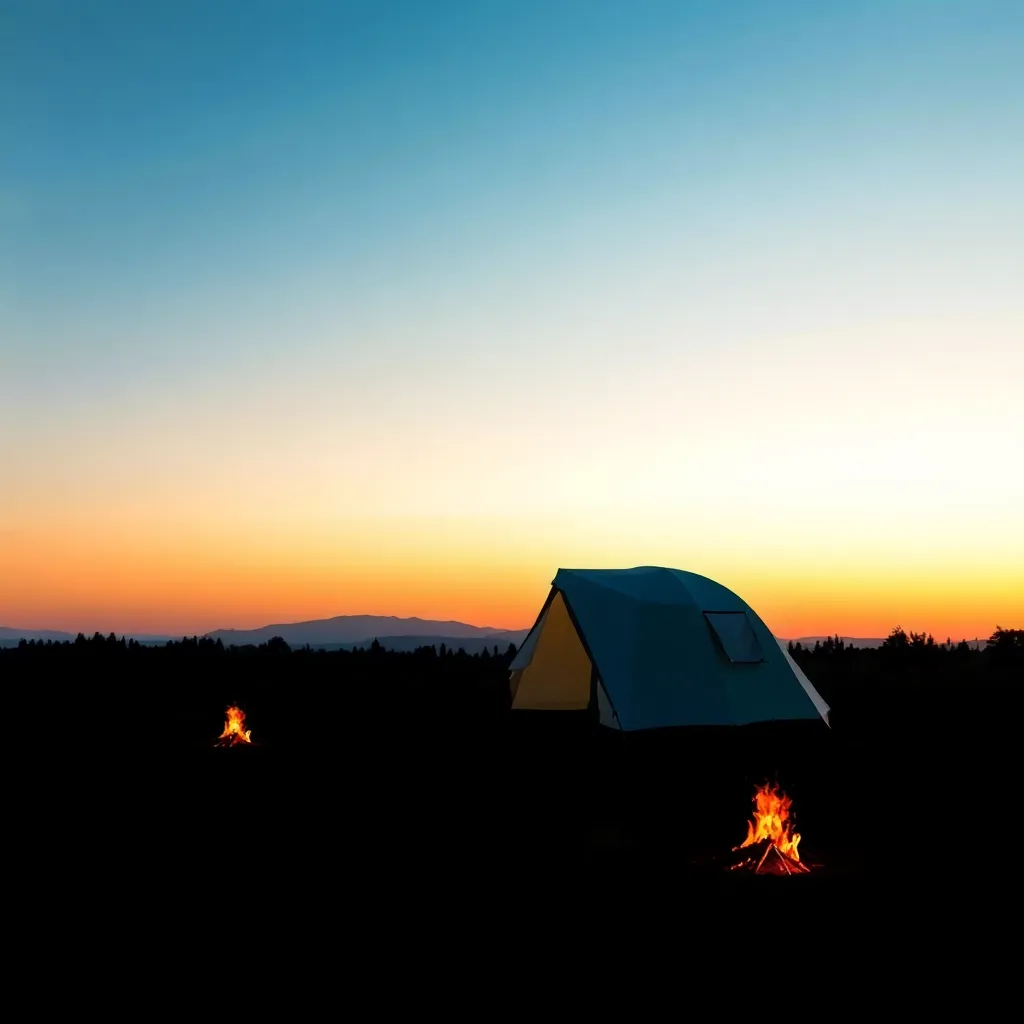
(309, 309)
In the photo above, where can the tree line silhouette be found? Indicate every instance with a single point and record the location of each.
(398, 749)
(99, 645)
(899, 640)
(182, 687)
(453, 690)
(911, 659)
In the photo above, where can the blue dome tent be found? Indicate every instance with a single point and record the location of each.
(652, 648)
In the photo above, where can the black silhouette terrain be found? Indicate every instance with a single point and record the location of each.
(410, 765)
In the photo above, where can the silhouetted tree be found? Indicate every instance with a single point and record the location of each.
(1006, 639)
(279, 646)
(897, 640)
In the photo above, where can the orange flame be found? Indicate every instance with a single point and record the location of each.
(235, 731)
(771, 821)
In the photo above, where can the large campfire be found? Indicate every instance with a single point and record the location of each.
(235, 733)
(771, 846)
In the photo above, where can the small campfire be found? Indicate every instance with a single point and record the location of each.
(235, 733)
(771, 846)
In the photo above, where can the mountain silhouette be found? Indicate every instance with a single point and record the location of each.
(10, 635)
(356, 629)
(390, 631)
(15, 634)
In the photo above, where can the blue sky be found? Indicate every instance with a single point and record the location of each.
(198, 154)
(555, 241)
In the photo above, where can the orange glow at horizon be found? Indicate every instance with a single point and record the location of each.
(492, 573)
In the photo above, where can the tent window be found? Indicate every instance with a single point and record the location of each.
(736, 635)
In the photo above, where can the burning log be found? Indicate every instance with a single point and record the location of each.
(771, 847)
(766, 858)
(235, 733)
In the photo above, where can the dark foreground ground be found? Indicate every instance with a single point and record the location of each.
(369, 791)
(528, 812)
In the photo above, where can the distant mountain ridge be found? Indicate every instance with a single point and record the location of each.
(391, 631)
(337, 631)
(11, 633)
(356, 629)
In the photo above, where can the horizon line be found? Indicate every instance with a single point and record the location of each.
(132, 634)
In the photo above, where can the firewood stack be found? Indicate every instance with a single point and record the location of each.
(765, 858)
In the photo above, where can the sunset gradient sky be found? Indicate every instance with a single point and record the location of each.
(394, 308)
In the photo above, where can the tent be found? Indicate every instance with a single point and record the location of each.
(650, 648)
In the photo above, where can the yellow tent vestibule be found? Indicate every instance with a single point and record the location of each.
(557, 677)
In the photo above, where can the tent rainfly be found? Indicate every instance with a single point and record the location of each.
(651, 648)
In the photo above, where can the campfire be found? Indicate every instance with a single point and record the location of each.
(235, 732)
(771, 846)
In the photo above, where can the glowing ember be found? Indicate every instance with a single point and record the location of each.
(774, 846)
(235, 732)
